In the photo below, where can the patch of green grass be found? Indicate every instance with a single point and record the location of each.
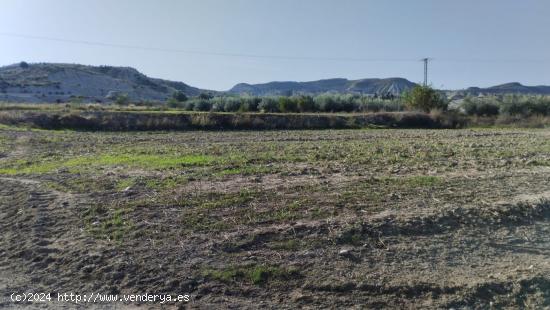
(423, 180)
(125, 183)
(144, 161)
(153, 161)
(166, 183)
(12, 128)
(105, 223)
(30, 168)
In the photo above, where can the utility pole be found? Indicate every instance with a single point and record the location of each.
(425, 60)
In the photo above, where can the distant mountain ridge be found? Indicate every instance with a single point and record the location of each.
(49, 82)
(394, 86)
(510, 88)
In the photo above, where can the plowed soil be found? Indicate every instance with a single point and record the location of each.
(277, 219)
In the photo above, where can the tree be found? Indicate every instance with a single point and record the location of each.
(268, 105)
(122, 99)
(202, 105)
(327, 103)
(23, 65)
(424, 98)
(287, 104)
(306, 104)
(205, 96)
(173, 103)
(179, 96)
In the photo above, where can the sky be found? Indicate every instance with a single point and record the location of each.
(215, 44)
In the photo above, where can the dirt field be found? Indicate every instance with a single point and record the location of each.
(278, 219)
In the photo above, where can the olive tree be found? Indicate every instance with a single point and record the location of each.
(424, 98)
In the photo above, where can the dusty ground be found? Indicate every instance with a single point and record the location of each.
(317, 219)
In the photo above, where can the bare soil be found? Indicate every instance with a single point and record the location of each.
(313, 219)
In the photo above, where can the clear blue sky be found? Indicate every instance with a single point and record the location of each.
(479, 43)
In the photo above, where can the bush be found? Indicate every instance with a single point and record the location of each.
(480, 108)
(232, 105)
(205, 96)
(173, 103)
(122, 99)
(513, 105)
(249, 104)
(287, 105)
(188, 105)
(268, 105)
(179, 96)
(326, 103)
(305, 104)
(347, 103)
(424, 98)
(202, 105)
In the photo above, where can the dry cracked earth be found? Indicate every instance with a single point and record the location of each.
(434, 219)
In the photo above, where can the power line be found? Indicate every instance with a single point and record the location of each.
(260, 56)
(199, 52)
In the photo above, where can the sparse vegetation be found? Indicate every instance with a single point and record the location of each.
(291, 104)
(306, 215)
(509, 105)
(122, 99)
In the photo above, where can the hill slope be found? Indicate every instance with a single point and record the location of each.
(394, 86)
(47, 82)
(508, 88)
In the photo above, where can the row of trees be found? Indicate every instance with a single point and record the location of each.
(517, 105)
(420, 98)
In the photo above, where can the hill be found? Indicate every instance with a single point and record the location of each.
(393, 86)
(503, 89)
(51, 82)
(47, 82)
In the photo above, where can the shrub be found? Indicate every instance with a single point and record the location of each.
(249, 104)
(189, 105)
(232, 105)
(179, 96)
(347, 103)
(202, 105)
(173, 103)
(326, 103)
(217, 107)
(205, 96)
(287, 105)
(122, 99)
(424, 98)
(268, 105)
(480, 108)
(305, 104)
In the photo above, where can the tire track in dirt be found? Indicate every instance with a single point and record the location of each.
(44, 249)
(32, 220)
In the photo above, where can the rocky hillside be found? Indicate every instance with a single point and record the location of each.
(47, 82)
(393, 86)
(503, 89)
(512, 88)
